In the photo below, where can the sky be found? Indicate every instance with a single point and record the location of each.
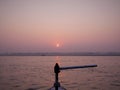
(59, 26)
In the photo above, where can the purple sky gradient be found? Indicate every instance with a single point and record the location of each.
(77, 25)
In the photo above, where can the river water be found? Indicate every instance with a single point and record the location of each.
(36, 72)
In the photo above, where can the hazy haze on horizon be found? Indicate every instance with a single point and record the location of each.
(76, 25)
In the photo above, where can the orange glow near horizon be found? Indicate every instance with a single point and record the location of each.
(57, 45)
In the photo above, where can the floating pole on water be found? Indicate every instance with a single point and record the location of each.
(57, 71)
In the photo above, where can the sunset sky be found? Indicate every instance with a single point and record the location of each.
(59, 26)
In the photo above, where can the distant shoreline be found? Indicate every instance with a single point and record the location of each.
(63, 54)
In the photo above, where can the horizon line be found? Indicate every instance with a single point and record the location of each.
(61, 54)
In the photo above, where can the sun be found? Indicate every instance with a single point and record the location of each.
(57, 45)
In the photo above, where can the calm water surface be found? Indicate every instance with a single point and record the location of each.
(36, 72)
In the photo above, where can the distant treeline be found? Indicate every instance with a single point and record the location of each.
(63, 54)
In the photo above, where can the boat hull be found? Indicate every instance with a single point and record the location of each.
(59, 88)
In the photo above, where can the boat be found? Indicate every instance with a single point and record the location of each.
(59, 88)
(57, 69)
